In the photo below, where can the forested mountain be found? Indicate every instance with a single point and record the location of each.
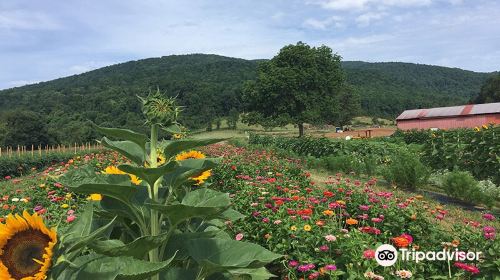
(388, 88)
(210, 85)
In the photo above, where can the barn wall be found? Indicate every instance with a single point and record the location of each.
(449, 122)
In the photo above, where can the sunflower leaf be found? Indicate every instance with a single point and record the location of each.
(129, 149)
(150, 175)
(124, 134)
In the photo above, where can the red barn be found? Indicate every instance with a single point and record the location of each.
(473, 115)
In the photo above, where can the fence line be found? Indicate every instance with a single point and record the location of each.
(10, 151)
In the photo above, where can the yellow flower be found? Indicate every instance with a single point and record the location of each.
(160, 158)
(95, 197)
(178, 136)
(341, 202)
(64, 206)
(477, 129)
(202, 177)
(293, 228)
(195, 155)
(190, 154)
(26, 247)
(113, 170)
(485, 126)
(307, 228)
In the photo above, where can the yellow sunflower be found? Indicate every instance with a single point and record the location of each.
(195, 155)
(190, 154)
(160, 159)
(26, 247)
(95, 197)
(114, 170)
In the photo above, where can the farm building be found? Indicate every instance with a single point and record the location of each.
(472, 115)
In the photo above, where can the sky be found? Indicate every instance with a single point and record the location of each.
(44, 40)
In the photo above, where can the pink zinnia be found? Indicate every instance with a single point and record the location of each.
(70, 218)
(330, 238)
(376, 220)
(364, 207)
(369, 254)
(324, 248)
(239, 236)
(488, 217)
(330, 267)
(293, 263)
(407, 237)
(470, 268)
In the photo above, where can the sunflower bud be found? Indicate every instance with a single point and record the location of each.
(159, 110)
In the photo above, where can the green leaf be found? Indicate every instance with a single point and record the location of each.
(232, 215)
(179, 241)
(137, 248)
(125, 134)
(200, 203)
(254, 273)
(129, 149)
(87, 175)
(173, 129)
(176, 273)
(80, 242)
(150, 175)
(225, 254)
(123, 268)
(174, 147)
(120, 192)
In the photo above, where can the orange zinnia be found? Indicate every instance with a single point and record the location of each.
(351, 221)
(328, 212)
(401, 242)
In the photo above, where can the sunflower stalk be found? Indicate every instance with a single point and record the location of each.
(155, 223)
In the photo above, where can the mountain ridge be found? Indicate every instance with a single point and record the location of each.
(209, 86)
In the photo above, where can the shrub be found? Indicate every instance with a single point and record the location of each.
(490, 193)
(406, 171)
(461, 185)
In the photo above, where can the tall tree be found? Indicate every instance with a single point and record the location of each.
(301, 84)
(490, 91)
(25, 128)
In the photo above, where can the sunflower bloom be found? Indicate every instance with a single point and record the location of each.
(113, 170)
(95, 197)
(189, 155)
(26, 247)
(195, 155)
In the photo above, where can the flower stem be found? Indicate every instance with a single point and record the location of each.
(155, 223)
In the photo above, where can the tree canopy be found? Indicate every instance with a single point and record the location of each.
(490, 91)
(301, 84)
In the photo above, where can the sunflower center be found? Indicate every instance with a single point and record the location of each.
(21, 249)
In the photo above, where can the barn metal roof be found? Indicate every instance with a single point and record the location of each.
(463, 110)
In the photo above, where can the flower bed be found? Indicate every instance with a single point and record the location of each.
(331, 229)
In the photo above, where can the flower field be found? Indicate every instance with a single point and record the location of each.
(326, 228)
(42, 193)
(331, 228)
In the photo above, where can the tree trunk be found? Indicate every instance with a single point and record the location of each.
(301, 129)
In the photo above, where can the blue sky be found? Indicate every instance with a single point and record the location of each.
(44, 40)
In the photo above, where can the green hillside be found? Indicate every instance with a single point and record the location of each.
(210, 85)
(388, 88)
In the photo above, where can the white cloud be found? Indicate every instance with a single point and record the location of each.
(365, 4)
(323, 24)
(367, 18)
(26, 20)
